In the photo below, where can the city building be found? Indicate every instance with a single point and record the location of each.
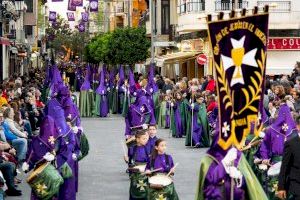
(181, 34)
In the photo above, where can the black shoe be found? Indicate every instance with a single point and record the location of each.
(13, 192)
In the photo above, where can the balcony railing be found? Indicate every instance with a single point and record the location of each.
(276, 6)
(229, 5)
(195, 6)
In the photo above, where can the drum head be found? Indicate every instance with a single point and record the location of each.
(160, 179)
(275, 169)
(37, 171)
(141, 168)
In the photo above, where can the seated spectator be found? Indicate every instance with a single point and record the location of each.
(13, 136)
(211, 103)
(2, 99)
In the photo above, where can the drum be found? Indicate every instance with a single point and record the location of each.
(161, 187)
(138, 186)
(45, 181)
(159, 181)
(140, 168)
(274, 170)
(84, 146)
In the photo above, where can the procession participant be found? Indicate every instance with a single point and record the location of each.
(86, 95)
(271, 150)
(101, 102)
(140, 114)
(200, 129)
(138, 155)
(127, 97)
(110, 88)
(288, 183)
(115, 95)
(162, 162)
(226, 174)
(179, 115)
(42, 149)
(164, 112)
(121, 90)
(66, 155)
(152, 131)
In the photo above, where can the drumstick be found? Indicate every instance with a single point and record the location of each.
(173, 168)
(156, 170)
(124, 148)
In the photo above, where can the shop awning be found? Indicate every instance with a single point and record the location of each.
(4, 41)
(173, 58)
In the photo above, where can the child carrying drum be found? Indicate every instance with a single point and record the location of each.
(138, 156)
(161, 184)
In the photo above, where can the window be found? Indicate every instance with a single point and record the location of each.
(196, 5)
(29, 4)
(165, 16)
(28, 30)
(181, 6)
(229, 4)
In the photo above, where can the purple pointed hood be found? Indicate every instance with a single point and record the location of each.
(132, 86)
(48, 131)
(284, 124)
(151, 86)
(141, 104)
(101, 90)
(55, 110)
(111, 78)
(87, 81)
(56, 77)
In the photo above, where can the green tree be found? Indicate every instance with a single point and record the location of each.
(129, 46)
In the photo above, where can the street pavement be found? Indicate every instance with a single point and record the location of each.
(102, 172)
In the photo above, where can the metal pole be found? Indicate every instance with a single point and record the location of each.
(152, 22)
(128, 14)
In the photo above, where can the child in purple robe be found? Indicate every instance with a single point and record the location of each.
(139, 153)
(164, 164)
(159, 158)
(152, 130)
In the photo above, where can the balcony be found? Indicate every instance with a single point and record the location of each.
(276, 6)
(229, 5)
(195, 6)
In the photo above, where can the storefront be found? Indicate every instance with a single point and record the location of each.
(283, 53)
(182, 62)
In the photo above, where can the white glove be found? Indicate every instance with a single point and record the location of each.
(234, 172)
(108, 89)
(75, 129)
(134, 94)
(49, 157)
(262, 134)
(192, 105)
(172, 104)
(257, 160)
(263, 167)
(74, 156)
(90, 90)
(117, 87)
(145, 126)
(229, 158)
(236, 175)
(25, 167)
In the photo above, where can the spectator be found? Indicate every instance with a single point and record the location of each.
(210, 84)
(15, 137)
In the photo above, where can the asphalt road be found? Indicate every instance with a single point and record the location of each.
(102, 173)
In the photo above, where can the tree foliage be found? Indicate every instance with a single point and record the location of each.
(122, 46)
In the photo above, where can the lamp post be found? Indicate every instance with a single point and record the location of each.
(152, 22)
